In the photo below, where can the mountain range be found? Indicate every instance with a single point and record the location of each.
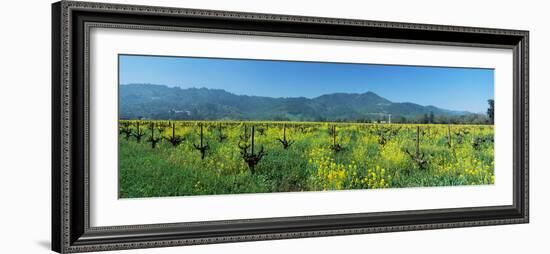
(148, 101)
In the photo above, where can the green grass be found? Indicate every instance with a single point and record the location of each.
(308, 164)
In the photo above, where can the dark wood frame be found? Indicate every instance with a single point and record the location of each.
(71, 22)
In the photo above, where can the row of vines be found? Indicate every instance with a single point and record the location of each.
(173, 158)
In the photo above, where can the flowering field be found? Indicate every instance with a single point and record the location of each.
(179, 158)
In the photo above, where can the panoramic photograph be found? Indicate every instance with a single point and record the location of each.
(216, 126)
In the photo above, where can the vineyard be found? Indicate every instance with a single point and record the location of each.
(179, 158)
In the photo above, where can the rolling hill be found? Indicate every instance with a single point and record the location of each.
(160, 102)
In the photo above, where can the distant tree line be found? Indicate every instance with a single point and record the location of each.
(433, 119)
(429, 119)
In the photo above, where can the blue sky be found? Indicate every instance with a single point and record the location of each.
(449, 88)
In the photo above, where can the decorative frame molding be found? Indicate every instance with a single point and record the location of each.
(71, 22)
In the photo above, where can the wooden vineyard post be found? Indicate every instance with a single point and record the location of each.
(126, 130)
(418, 157)
(449, 138)
(335, 146)
(286, 143)
(152, 139)
(202, 148)
(139, 133)
(221, 137)
(417, 140)
(174, 140)
(251, 158)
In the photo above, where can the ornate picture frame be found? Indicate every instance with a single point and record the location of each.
(71, 24)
